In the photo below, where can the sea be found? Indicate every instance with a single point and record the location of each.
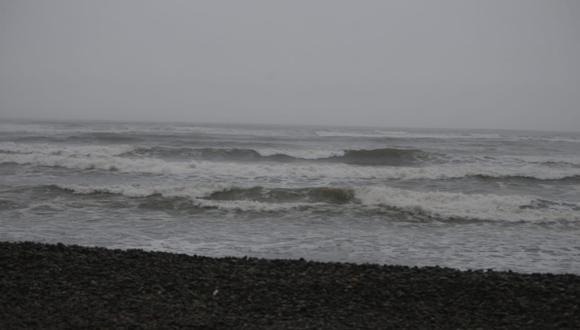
(468, 199)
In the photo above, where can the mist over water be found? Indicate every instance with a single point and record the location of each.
(419, 63)
(112, 150)
(461, 198)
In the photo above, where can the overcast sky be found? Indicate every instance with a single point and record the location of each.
(455, 63)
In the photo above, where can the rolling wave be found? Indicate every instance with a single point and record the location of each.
(250, 164)
(376, 157)
(213, 154)
(441, 206)
(420, 135)
(330, 195)
(102, 161)
(111, 132)
(119, 129)
(383, 156)
(526, 178)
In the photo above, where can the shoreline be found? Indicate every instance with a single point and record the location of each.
(61, 286)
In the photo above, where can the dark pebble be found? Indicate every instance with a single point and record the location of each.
(56, 286)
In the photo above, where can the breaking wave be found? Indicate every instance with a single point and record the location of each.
(384, 156)
(458, 206)
(213, 154)
(274, 166)
(402, 204)
(526, 178)
(103, 161)
(330, 195)
(377, 157)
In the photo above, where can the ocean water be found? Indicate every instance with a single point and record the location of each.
(506, 200)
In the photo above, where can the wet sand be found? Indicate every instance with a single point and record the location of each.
(58, 286)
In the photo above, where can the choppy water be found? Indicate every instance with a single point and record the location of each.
(466, 199)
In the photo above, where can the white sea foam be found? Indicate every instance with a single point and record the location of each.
(301, 153)
(564, 139)
(167, 181)
(470, 161)
(99, 162)
(120, 149)
(561, 160)
(107, 158)
(145, 190)
(441, 205)
(468, 206)
(195, 194)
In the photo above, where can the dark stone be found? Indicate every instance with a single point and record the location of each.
(59, 286)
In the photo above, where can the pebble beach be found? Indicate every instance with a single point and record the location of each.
(64, 286)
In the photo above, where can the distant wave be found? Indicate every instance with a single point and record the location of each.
(111, 129)
(405, 134)
(401, 164)
(102, 160)
(110, 138)
(402, 134)
(407, 204)
(103, 137)
(214, 154)
(571, 179)
(112, 132)
(351, 134)
(384, 156)
(64, 150)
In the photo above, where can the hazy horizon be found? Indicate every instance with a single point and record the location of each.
(410, 64)
(273, 124)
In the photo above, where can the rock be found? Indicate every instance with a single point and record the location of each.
(59, 286)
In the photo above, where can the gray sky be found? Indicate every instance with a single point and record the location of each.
(456, 63)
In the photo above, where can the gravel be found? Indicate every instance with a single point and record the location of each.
(58, 286)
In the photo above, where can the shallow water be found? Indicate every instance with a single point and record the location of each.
(465, 199)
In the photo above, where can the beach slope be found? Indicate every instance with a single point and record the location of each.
(58, 286)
